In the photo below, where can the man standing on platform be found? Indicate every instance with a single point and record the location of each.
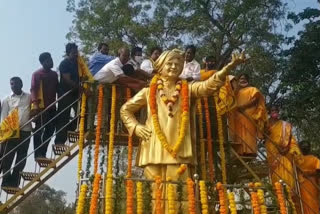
(69, 80)
(44, 88)
(191, 69)
(309, 178)
(20, 100)
(100, 58)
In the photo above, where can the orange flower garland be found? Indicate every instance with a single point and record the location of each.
(255, 202)
(221, 143)
(81, 132)
(184, 117)
(293, 207)
(260, 193)
(130, 149)
(95, 194)
(98, 129)
(82, 198)
(209, 139)
(202, 141)
(203, 197)
(281, 199)
(222, 198)
(158, 194)
(108, 200)
(139, 198)
(232, 203)
(191, 197)
(182, 169)
(129, 188)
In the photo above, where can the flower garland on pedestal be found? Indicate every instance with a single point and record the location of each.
(171, 198)
(95, 194)
(108, 200)
(191, 197)
(292, 205)
(81, 132)
(209, 139)
(222, 198)
(156, 85)
(98, 129)
(129, 190)
(158, 194)
(232, 203)
(221, 142)
(260, 193)
(139, 198)
(203, 197)
(281, 199)
(202, 142)
(82, 198)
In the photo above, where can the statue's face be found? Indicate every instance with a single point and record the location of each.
(172, 68)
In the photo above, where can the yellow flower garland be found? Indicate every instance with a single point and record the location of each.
(221, 143)
(191, 197)
(98, 129)
(81, 133)
(130, 146)
(182, 169)
(293, 207)
(171, 199)
(260, 193)
(108, 200)
(139, 198)
(202, 141)
(232, 203)
(209, 138)
(184, 117)
(158, 194)
(95, 194)
(82, 198)
(203, 197)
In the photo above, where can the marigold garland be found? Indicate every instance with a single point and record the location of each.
(203, 197)
(191, 197)
(255, 202)
(98, 129)
(209, 138)
(82, 198)
(139, 198)
(129, 188)
(202, 141)
(81, 132)
(181, 170)
(184, 117)
(292, 205)
(171, 199)
(221, 143)
(158, 194)
(222, 198)
(232, 203)
(108, 200)
(281, 199)
(262, 203)
(130, 146)
(95, 194)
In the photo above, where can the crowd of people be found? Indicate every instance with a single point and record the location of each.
(247, 121)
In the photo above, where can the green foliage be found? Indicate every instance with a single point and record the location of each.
(147, 198)
(45, 200)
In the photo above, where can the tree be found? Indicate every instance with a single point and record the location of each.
(45, 200)
(301, 80)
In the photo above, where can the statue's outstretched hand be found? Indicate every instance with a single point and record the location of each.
(142, 132)
(238, 58)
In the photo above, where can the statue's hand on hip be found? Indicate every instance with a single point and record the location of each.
(142, 132)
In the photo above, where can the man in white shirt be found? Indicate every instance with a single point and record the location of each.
(147, 64)
(113, 73)
(135, 61)
(191, 70)
(21, 100)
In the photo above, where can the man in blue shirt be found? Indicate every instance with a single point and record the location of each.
(100, 58)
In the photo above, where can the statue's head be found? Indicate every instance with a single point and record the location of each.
(170, 64)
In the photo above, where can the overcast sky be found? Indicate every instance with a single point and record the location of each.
(31, 27)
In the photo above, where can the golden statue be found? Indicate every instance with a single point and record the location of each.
(168, 135)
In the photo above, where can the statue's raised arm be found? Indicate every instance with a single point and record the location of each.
(211, 85)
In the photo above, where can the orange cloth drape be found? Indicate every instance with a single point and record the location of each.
(309, 192)
(204, 75)
(280, 165)
(243, 130)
